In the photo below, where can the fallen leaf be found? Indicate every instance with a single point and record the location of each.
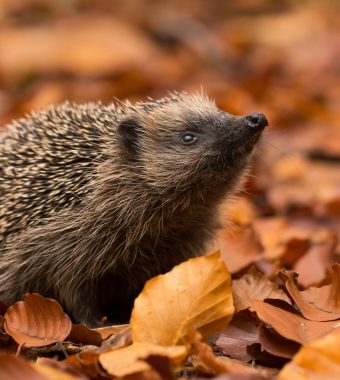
(193, 295)
(17, 368)
(83, 334)
(59, 366)
(37, 321)
(107, 331)
(241, 333)
(86, 362)
(313, 311)
(54, 373)
(275, 344)
(206, 360)
(254, 286)
(326, 297)
(292, 326)
(318, 360)
(239, 247)
(312, 267)
(132, 359)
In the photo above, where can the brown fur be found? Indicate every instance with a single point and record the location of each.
(94, 199)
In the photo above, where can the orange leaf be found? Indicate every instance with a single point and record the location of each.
(292, 326)
(310, 311)
(130, 360)
(239, 247)
(37, 321)
(193, 295)
(83, 334)
(12, 367)
(318, 360)
(326, 297)
(254, 286)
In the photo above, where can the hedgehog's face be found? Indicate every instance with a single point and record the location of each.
(175, 146)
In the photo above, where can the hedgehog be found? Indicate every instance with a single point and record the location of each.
(97, 199)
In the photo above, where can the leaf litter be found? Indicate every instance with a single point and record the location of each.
(282, 250)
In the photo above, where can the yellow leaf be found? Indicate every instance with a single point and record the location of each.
(319, 360)
(193, 295)
(130, 360)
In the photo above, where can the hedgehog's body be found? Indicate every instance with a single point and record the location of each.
(94, 200)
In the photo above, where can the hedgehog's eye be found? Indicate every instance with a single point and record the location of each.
(189, 138)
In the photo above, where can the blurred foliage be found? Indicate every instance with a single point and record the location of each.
(279, 57)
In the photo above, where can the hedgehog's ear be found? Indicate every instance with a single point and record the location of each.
(129, 132)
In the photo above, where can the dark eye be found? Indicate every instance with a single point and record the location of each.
(189, 138)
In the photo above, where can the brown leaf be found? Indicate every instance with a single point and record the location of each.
(275, 344)
(282, 239)
(193, 295)
(87, 362)
(12, 367)
(132, 359)
(107, 331)
(241, 332)
(206, 360)
(254, 286)
(313, 311)
(60, 366)
(83, 334)
(318, 360)
(326, 297)
(57, 372)
(292, 326)
(312, 267)
(37, 321)
(239, 247)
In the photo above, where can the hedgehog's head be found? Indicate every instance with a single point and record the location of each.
(186, 141)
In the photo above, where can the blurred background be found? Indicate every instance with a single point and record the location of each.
(277, 57)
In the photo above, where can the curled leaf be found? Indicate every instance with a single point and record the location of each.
(37, 321)
(293, 326)
(312, 311)
(193, 295)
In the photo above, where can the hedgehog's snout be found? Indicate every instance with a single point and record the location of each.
(256, 121)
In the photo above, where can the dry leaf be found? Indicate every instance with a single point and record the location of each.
(86, 362)
(254, 286)
(83, 334)
(326, 297)
(107, 331)
(239, 246)
(312, 266)
(292, 326)
(193, 295)
(281, 239)
(209, 363)
(275, 344)
(60, 366)
(37, 321)
(16, 368)
(318, 360)
(241, 333)
(312, 311)
(132, 359)
(51, 373)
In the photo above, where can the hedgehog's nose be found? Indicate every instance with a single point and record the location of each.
(256, 121)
